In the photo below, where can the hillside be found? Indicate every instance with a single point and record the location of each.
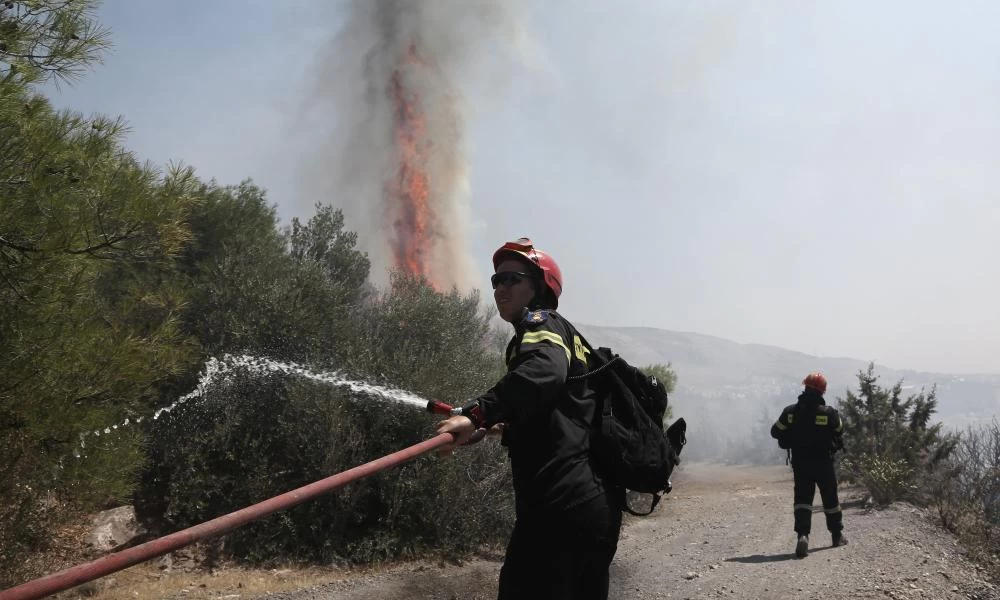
(749, 383)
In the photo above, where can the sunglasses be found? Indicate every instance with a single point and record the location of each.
(508, 278)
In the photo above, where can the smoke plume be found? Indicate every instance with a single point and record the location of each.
(395, 157)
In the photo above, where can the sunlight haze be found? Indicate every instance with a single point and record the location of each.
(817, 176)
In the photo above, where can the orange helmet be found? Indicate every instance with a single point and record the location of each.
(523, 248)
(815, 381)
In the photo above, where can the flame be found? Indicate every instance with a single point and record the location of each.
(409, 192)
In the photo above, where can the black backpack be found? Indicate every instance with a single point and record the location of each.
(628, 444)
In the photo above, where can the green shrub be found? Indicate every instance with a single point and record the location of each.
(252, 437)
(890, 444)
(887, 479)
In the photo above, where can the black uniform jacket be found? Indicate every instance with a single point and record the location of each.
(548, 419)
(809, 427)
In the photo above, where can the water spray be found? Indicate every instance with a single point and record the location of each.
(74, 576)
(117, 561)
(219, 369)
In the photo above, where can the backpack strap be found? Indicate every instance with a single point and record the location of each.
(599, 369)
(595, 371)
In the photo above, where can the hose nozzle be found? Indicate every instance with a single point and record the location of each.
(440, 408)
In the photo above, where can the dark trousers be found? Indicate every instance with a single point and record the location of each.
(810, 474)
(563, 555)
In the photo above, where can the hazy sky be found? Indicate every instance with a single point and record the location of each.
(820, 176)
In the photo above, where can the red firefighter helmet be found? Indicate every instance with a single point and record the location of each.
(815, 381)
(523, 248)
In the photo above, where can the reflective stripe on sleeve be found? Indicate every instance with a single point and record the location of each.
(536, 337)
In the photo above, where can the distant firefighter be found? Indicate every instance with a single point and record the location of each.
(812, 432)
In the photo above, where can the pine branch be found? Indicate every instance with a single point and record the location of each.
(18, 247)
(105, 244)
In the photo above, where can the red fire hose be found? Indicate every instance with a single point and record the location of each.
(73, 576)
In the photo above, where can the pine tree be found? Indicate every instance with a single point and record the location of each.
(42, 40)
(88, 293)
(890, 441)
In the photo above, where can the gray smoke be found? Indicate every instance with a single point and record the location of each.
(432, 50)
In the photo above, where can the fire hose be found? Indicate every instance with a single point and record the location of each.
(74, 576)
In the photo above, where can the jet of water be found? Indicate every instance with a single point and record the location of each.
(219, 369)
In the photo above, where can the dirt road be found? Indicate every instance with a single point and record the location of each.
(726, 532)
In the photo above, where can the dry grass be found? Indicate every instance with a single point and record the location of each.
(148, 581)
(63, 550)
(185, 579)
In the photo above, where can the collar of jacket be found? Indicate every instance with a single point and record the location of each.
(811, 398)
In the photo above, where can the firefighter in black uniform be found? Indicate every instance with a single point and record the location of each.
(813, 432)
(567, 520)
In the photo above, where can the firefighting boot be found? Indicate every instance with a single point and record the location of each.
(802, 547)
(839, 539)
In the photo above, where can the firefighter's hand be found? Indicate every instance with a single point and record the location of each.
(496, 430)
(463, 429)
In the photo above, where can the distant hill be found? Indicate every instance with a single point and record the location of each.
(721, 381)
